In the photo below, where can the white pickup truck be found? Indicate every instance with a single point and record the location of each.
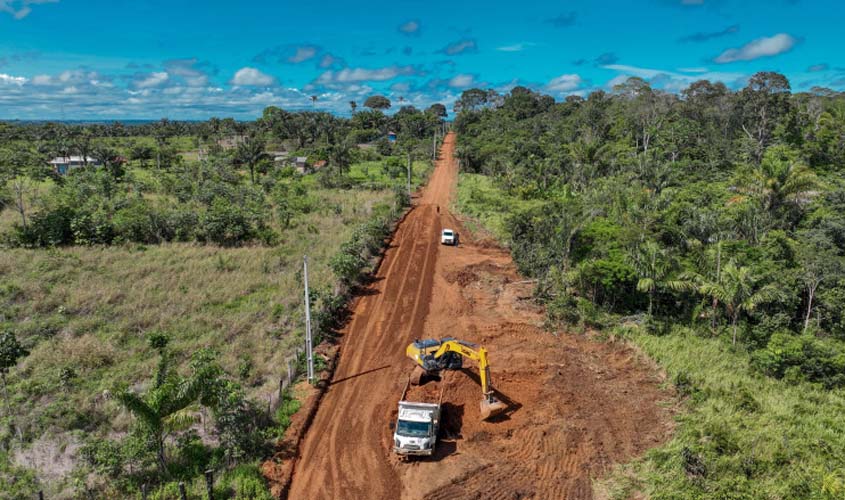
(417, 425)
(449, 237)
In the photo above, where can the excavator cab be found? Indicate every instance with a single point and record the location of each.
(431, 356)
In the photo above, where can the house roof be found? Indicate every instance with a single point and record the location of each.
(301, 159)
(63, 160)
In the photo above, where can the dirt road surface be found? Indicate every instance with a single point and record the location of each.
(576, 407)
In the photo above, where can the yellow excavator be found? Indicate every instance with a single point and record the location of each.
(431, 356)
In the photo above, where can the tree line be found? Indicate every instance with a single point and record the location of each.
(718, 209)
(138, 185)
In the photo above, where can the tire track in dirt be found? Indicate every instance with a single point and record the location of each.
(576, 406)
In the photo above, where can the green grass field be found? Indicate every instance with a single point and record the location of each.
(740, 435)
(85, 314)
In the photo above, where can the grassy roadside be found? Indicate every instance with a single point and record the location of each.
(742, 435)
(485, 204)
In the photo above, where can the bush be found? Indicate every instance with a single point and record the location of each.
(803, 357)
(225, 224)
(49, 228)
(245, 482)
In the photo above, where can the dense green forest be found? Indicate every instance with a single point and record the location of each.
(708, 227)
(149, 299)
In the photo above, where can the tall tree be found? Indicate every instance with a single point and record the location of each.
(739, 291)
(250, 153)
(378, 102)
(764, 102)
(781, 178)
(653, 266)
(161, 132)
(820, 262)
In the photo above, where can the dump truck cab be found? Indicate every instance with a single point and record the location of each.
(448, 237)
(416, 428)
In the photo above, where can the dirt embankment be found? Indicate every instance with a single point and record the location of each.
(576, 407)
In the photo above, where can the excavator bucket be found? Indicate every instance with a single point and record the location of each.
(491, 407)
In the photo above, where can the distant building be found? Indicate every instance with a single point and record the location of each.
(391, 136)
(320, 164)
(300, 163)
(64, 164)
(280, 158)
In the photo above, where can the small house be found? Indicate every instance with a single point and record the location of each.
(64, 164)
(300, 163)
(319, 164)
(279, 157)
(391, 136)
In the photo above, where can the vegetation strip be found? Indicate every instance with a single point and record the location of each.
(704, 227)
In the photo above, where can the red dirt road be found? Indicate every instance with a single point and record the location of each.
(576, 406)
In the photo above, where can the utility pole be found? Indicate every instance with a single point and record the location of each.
(308, 340)
(409, 175)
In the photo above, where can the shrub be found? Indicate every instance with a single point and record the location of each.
(225, 224)
(804, 356)
(48, 228)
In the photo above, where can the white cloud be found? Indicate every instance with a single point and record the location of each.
(564, 83)
(303, 54)
(41, 80)
(668, 80)
(12, 80)
(693, 70)
(400, 87)
(517, 47)
(252, 77)
(761, 47)
(617, 80)
(465, 46)
(152, 80)
(189, 70)
(348, 75)
(19, 9)
(462, 81)
(411, 27)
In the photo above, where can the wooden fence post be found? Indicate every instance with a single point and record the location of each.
(40, 494)
(209, 483)
(182, 493)
(144, 491)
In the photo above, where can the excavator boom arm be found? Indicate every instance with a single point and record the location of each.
(466, 351)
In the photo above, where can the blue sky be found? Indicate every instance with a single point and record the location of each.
(122, 59)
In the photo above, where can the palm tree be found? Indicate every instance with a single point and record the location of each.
(653, 265)
(313, 100)
(738, 290)
(166, 408)
(353, 105)
(161, 132)
(250, 153)
(781, 179)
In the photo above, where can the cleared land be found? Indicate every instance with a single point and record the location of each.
(576, 407)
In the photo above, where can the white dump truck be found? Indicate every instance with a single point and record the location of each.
(449, 237)
(417, 425)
